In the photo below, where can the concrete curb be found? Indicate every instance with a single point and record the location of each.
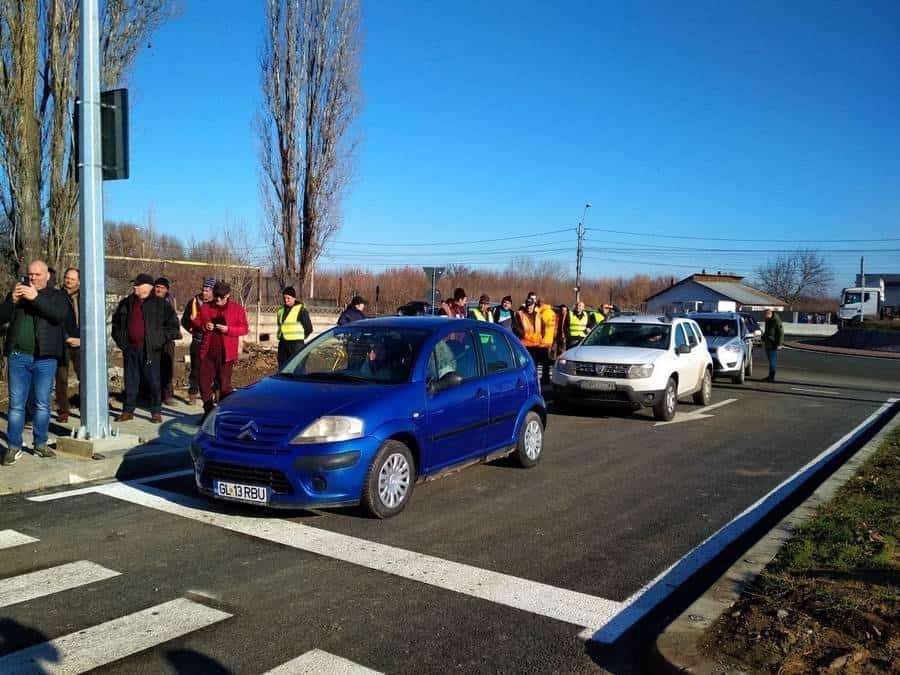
(677, 649)
(843, 351)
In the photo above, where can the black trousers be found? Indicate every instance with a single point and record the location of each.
(141, 369)
(167, 370)
(194, 377)
(541, 358)
(287, 349)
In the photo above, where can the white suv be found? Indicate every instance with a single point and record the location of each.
(641, 361)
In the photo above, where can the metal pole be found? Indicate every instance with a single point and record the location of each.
(94, 375)
(862, 284)
(258, 302)
(578, 262)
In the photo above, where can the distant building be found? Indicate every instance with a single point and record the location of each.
(891, 284)
(712, 292)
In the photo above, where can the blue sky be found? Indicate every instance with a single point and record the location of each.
(758, 121)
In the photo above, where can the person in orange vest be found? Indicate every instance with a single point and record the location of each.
(548, 337)
(526, 326)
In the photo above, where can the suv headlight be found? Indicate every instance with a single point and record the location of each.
(640, 370)
(330, 429)
(209, 424)
(565, 366)
(733, 347)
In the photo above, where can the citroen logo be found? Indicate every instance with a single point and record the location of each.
(248, 432)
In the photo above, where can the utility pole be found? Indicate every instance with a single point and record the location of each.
(862, 284)
(94, 375)
(580, 253)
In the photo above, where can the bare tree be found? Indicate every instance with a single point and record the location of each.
(801, 274)
(38, 80)
(311, 97)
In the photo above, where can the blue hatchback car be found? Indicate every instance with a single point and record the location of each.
(367, 409)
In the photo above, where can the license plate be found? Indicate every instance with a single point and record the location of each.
(597, 385)
(242, 493)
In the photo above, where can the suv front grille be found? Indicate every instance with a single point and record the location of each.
(616, 370)
(234, 473)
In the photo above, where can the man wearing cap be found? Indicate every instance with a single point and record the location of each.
(191, 310)
(167, 358)
(483, 311)
(222, 323)
(355, 311)
(141, 326)
(294, 326)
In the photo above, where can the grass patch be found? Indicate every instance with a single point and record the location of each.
(830, 601)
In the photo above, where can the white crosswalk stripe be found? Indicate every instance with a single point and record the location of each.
(10, 538)
(53, 580)
(318, 662)
(108, 642)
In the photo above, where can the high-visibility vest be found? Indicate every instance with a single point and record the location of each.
(599, 317)
(532, 330)
(548, 325)
(578, 327)
(289, 327)
(481, 316)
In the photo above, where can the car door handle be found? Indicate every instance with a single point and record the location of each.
(520, 384)
(481, 393)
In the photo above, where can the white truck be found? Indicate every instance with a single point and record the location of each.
(864, 303)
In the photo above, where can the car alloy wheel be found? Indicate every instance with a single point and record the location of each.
(394, 480)
(670, 400)
(664, 408)
(530, 443)
(534, 439)
(704, 396)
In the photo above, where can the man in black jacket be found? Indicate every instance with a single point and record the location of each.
(355, 311)
(36, 314)
(141, 326)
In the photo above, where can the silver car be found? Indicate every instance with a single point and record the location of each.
(730, 342)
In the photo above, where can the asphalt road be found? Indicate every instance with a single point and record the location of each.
(493, 569)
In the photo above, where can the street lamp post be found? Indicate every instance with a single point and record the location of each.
(580, 253)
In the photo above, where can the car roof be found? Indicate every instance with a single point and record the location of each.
(426, 322)
(715, 315)
(641, 318)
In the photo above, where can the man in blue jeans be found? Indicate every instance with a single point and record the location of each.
(36, 314)
(773, 342)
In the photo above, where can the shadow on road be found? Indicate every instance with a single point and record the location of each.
(15, 637)
(191, 661)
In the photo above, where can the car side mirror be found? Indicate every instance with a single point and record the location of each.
(447, 381)
(683, 349)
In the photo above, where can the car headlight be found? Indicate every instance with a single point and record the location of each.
(565, 366)
(209, 424)
(733, 347)
(640, 370)
(330, 429)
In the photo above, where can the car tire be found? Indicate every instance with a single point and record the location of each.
(748, 369)
(704, 396)
(664, 408)
(530, 443)
(389, 481)
(740, 377)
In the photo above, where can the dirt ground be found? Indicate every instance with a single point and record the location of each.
(830, 601)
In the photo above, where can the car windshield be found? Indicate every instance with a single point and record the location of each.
(358, 354)
(646, 335)
(718, 327)
(850, 298)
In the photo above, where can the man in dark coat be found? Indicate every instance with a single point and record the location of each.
(355, 311)
(773, 341)
(141, 326)
(36, 313)
(161, 289)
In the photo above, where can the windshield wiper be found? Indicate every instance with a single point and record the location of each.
(346, 377)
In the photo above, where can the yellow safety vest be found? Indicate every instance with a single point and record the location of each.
(289, 327)
(598, 317)
(481, 317)
(578, 327)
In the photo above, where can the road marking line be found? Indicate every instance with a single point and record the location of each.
(53, 580)
(700, 414)
(318, 661)
(816, 391)
(653, 594)
(10, 538)
(572, 607)
(107, 642)
(93, 488)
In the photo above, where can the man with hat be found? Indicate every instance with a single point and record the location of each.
(294, 326)
(191, 310)
(483, 311)
(141, 326)
(167, 360)
(355, 311)
(222, 324)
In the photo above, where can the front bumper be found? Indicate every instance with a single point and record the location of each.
(726, 362)
(311, 476)
(570, 388)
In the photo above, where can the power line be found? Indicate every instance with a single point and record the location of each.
(457, 243)
(758, 241)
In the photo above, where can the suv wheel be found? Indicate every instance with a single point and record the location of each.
(748, 368)
(704, 396)
(665, 408)
(389, 482)
(740, 376)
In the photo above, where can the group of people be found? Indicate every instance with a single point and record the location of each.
(544, 330)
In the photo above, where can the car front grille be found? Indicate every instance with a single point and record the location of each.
(616, 370)
(234, 473)
(250, 433)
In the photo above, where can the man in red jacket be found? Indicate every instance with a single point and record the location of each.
(222, 322)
